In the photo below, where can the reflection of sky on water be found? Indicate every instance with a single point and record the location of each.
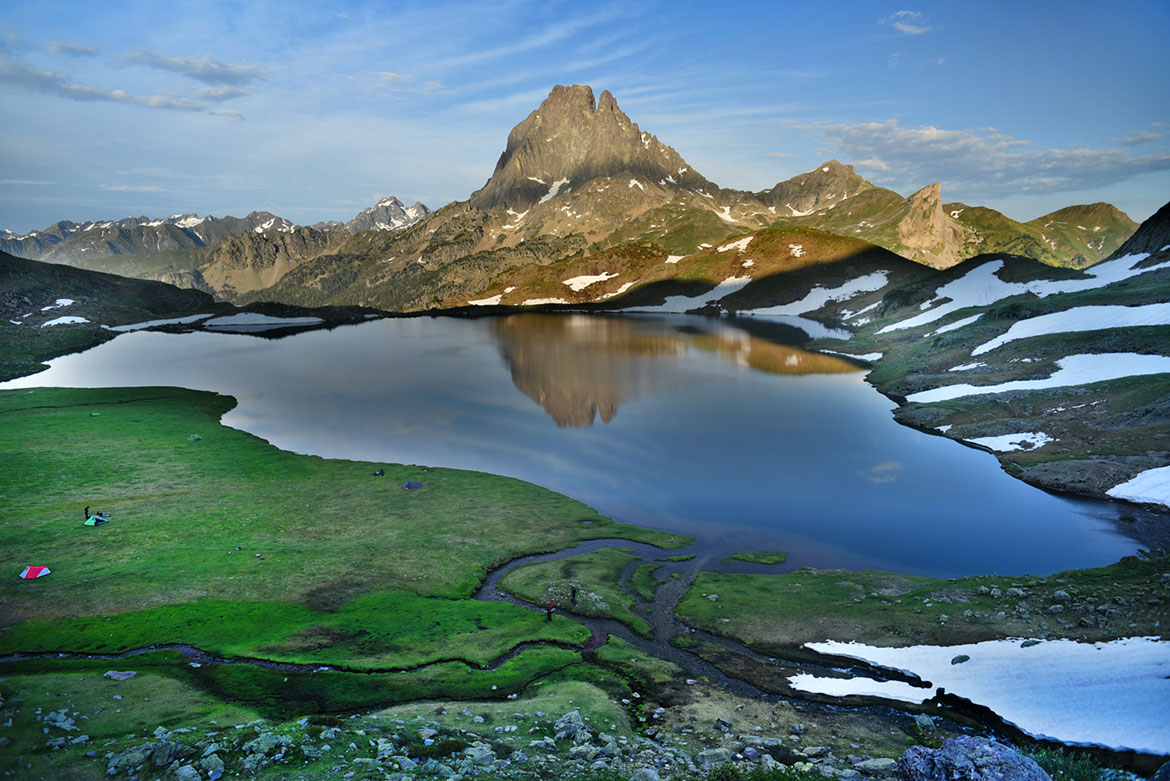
(810, 464)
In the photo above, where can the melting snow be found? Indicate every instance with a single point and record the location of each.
(67, 320)
(748, 263)
(539, 301)
(493, 301)
(552, 192)
(254, 318)
(740, 245)
(944, 429)
(725, 214)
(168, 321)
(869, 357)
(534, 179)
(1152, 485)
(1028, 440)
(265, 226)
(1109, 693)
(966, 367)
(577, 284)
(60, 303)
(825, 169)
(820, 296)
(617, 292)
(955, 325)
(636, 183)
(1074, 370)
(797, 213)
(674, 258)
(1081, 318)
(796, 250)
(981, 287)
(685, 303)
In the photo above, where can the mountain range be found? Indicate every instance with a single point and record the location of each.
(577, 178)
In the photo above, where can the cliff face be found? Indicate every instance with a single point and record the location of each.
(934, 237)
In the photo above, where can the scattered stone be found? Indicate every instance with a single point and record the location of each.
(1061, 595)
(1029, 643)
(118, 675)
(880, 765)
(212, 765)
(960, 659)
(966, 758)
(645, 774)
(713, 756)
(188, 773)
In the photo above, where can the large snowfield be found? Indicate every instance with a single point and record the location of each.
(1114, 694)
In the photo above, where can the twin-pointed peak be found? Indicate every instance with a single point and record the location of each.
(572, 139)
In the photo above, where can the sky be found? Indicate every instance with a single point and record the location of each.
(314, 111)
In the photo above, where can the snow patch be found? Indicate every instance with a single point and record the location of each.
(552, 193)
(617, 292)
(492, 301)
(168, 321)
(534, 179)
(740, 245)
(955, 325)
(540, 301)
(577, 284)
(944, 429)
(725, 214)
(797, 212)
(1152, 485)
(796, 250)
(1108, 693)
(254, 319)
(679, 304)
(1074, 370)
(1081, 318)
(966, 367)
(868, 357)
(1028, 440)
(748, 263)
(674, 258)
(60, 303)
(67, 320)
(820, 296)
(635, 183)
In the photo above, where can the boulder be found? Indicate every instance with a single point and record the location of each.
(212, 765)
(166, 751)
(966, 758)
(571, 726)
(645, 774)
(1163, 773)
(713, 756)
(267, 743)
(129, 760)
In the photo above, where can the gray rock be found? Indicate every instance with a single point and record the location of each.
(118, 675)
(960, 659)
(480, 753)
(1029, 643)
(212, 765)
(713, 756)
(571, 726)
(645, 774)
(880, 765)
(165, 752)
(267, 743)
(1061, 596)
(925, 723)
(968, 759)
(188, 773)
(129, 760)
(1163, 773)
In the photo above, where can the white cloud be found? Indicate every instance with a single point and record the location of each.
(206, 69)
(779, 154)
(227, 113)
(20, 76)
(23, 182)
(977, 162)
(220, 92)
(1142, 137)
(131, 188)
(72, 49)
(909, 22)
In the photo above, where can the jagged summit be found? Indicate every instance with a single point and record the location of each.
(388, 214)
(572, 139)
(829, 183)
(934, 236)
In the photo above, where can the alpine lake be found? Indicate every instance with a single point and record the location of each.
(729, 433)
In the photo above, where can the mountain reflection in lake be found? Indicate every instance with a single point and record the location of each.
(576, 366)
(711, 439)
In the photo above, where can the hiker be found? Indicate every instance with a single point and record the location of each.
(573, 595)
(87, 512)
(548, 612)
(380, 473)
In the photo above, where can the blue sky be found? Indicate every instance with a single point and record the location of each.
(315, 110)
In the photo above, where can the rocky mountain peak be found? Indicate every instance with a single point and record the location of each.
(388, 214)
(572, 139)
(829, 183)
(1153, 235)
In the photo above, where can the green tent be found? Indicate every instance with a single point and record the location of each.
(96, 520)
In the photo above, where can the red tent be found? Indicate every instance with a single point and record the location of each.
(32, 573)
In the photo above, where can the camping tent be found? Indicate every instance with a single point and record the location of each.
(96, 520)
(32, 573)
(411, 484)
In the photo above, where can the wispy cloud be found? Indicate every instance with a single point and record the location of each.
(206, 69)
(978, 162)
(220, 93)
(132, 188)
(73, 49)
(24, 182)
(779, 154)
(20, 76)
(388, 81)
(885, 472)
(227, 113)
(1142, 137)
(909, 22)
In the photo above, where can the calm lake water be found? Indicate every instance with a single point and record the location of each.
(684, 424)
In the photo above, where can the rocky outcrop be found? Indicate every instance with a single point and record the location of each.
(968, 759)
(252, 261)
(932, 236)
(1152, 236)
